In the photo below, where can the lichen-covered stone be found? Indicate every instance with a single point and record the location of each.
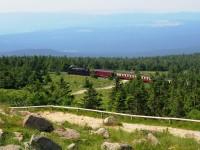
(43, 143)
(38, 123)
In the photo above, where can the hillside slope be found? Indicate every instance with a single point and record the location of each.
(82, 136)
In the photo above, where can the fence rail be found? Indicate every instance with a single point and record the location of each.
(111, 113)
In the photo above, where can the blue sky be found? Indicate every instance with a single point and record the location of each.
(99, 6)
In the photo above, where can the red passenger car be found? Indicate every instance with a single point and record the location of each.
(146, 79)
(126, 76)
(103, 73)
(132, 76)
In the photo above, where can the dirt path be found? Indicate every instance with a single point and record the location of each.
(94, 123)
(103, 88)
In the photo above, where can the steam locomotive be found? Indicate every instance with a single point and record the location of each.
(106, 73)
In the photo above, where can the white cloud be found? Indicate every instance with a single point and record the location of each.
(98, 6)
(166, 23)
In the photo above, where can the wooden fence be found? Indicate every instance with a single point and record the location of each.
(109, 113)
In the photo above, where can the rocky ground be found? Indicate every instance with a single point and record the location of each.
(58, 130)
(94, 123)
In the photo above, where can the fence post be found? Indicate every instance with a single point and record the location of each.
(170, 121)
(131, 117)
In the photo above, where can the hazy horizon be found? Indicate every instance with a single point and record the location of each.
(99, 27)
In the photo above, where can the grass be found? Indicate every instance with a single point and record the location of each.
(76, 81)
(93, 142)
(104, 95)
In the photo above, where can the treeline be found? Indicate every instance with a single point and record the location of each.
(17, 72)
(57, 64)
(47, 92)
(179, 98)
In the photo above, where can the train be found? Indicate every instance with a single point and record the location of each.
(106, 73)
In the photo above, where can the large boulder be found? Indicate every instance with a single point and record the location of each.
(110, 121)
(102, 131)
(10, 147)
(38, 123)
(43, 143)
(115, 146)
(68, 133)
(152, 139)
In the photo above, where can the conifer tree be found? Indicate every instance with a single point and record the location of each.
(91, 99)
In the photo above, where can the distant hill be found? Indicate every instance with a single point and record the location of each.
(104, 42)
(30, 52)
(101, 35)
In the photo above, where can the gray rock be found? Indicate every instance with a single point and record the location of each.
(38, 123)
(68, 133)
(72, 146)
(152, 139)
(115, 146)
(102, 131)
(10, 147)
(110, 121)
(43, 143)
(110, 146)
